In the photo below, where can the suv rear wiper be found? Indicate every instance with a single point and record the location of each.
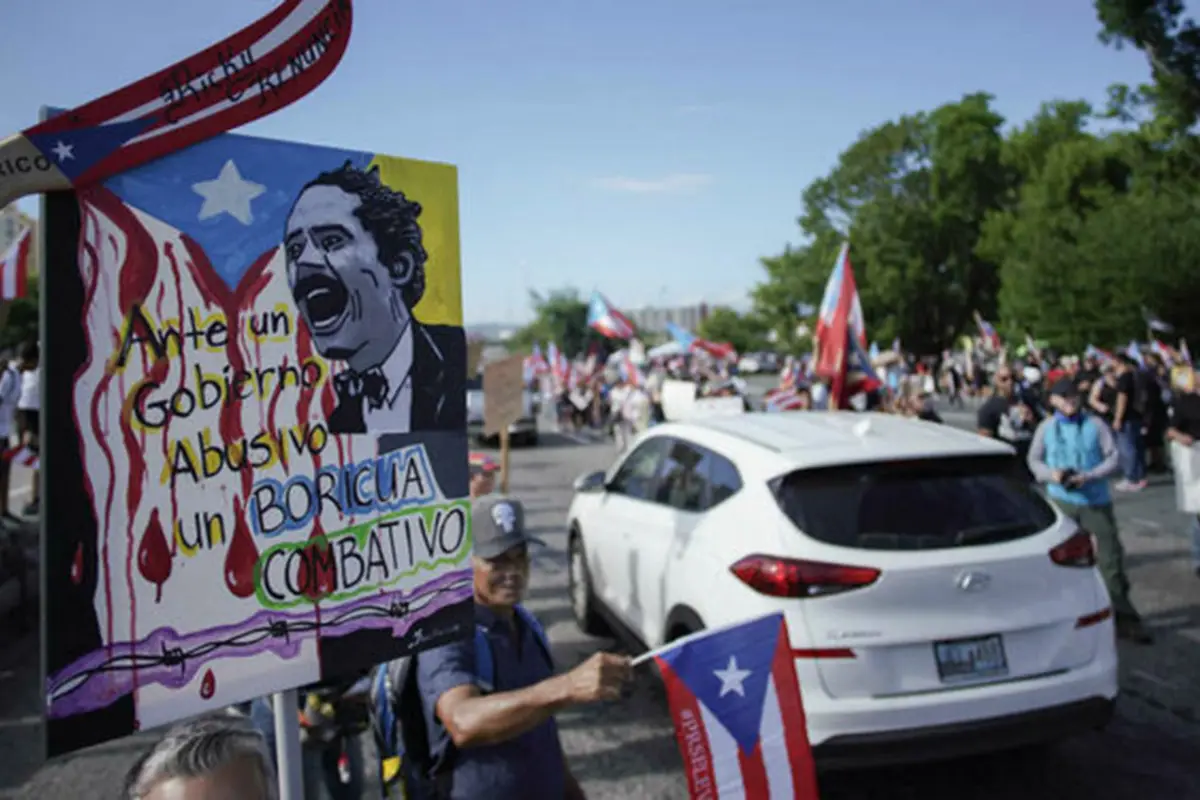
(981, 534)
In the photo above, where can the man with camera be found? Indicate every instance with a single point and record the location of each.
(1074, 454)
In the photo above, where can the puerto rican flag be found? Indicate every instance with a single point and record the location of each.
(840, 304)
(604, 318)
(991, 339)
(266, 65)
(738, 714)
(841, 336)
(630, 371)
(14, 266)
(23, 457)
(535, 364)
(1103, 356)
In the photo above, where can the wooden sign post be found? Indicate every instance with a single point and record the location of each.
(503, 404)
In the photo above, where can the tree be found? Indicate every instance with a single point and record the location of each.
(1171, 43)
(559, 316)
(911, 195)
(1102, 226)
(21, 320)
(746, 332)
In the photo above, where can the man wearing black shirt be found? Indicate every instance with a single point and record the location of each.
(1184, 429)
(1006, 415)
(1128, 422)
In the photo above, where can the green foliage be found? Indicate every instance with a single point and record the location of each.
(913, 195)
(1171, 43)
(21, 322)
(559, 316)
(1055, 228)
(746, 332)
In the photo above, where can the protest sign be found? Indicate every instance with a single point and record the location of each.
(258, 475)
(503, 394)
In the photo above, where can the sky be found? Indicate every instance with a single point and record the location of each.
(653, 150)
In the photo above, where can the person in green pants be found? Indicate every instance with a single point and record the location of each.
(1074, 453)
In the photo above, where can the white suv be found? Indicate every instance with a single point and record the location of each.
(937, 604)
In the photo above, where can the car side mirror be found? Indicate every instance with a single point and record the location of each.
(591, 482)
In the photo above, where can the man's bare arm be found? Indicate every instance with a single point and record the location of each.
(473, 719)
(1098, 405)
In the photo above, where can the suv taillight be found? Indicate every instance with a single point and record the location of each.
(786, 577)
(1078, 551)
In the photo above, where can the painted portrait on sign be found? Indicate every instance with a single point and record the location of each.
(356, 266)
(265, 481)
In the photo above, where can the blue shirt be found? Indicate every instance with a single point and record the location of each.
(1084, 445)
(529, 766)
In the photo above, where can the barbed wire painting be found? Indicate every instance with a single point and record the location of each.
(245, 320)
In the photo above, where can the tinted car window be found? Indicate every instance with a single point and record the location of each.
(723, 478)
(915, 505)
(636, 475)
(683, 478)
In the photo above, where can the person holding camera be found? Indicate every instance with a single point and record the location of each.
(1074, 454)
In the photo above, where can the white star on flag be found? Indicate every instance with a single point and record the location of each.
(732, 678)
(63, 151)
(228, 193)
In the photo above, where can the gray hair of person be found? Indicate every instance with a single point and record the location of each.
(201, 746)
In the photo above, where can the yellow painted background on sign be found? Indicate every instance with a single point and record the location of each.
(435, 187)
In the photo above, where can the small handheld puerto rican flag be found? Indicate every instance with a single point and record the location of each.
(738, 714)
(22, 457)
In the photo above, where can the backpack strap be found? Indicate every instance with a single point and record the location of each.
(539, 633)
(485, 663)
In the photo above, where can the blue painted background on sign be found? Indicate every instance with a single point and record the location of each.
(231, 194)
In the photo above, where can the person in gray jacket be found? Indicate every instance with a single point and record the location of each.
(1074, 454)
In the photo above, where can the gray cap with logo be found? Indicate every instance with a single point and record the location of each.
(498, 525)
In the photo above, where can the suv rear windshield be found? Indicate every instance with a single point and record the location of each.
(926, 504)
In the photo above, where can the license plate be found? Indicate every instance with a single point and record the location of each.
(970, 659)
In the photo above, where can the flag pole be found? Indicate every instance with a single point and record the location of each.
(691, 637)
(286, 707)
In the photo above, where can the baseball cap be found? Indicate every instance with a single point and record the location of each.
(482, 462)
(1065, 387)
(498, 525)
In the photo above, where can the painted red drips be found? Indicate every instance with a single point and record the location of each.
(320, 555)
(89, 254)
(136, 273)
(241, 557)
(208, 685)
(271, 408)
(77, 565)
(166, 431)
(154, 555)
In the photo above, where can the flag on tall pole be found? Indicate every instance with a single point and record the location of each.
(840, 338)
(604, 317)
(14, 266)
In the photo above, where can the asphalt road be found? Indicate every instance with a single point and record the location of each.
(627, 749)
